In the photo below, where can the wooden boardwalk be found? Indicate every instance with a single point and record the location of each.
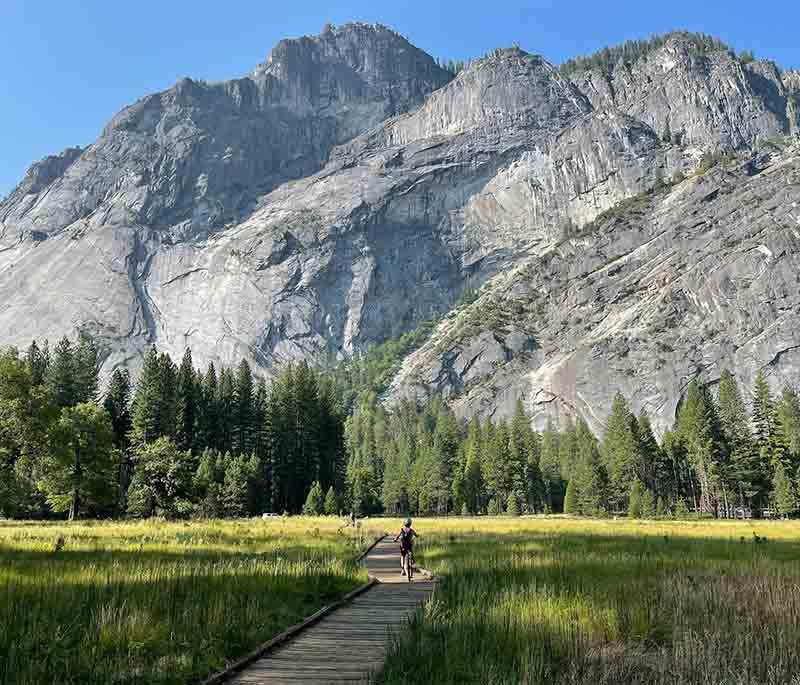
(349, 644)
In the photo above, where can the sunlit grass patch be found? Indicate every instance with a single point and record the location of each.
(560, 600)
(158, 602)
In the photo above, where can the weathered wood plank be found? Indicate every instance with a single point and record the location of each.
(350, 643)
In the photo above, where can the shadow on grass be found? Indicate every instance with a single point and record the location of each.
(150, 616)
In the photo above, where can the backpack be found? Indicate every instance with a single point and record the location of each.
(406, 536)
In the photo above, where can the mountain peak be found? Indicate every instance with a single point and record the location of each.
(373, 51)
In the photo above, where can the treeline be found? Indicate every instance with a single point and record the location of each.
(718, 460)
(182, 442)
(631, 51)
(454, 66)
(186, 442)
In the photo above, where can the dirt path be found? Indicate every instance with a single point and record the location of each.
(349, 644)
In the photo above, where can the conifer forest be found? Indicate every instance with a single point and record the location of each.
(187, 442)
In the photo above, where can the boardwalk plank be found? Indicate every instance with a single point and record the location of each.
(349, 644)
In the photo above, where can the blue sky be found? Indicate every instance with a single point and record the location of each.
(69, 65)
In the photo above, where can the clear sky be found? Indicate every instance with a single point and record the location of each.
(69, 65)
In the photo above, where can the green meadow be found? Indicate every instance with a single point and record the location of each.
(548, 600)
(520, 600)
(157, 602)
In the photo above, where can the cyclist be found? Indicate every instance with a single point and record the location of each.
(406, 537)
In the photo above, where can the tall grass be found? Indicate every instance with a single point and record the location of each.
(575, 601)
(158, 602)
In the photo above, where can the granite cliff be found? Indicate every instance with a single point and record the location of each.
(629, 225)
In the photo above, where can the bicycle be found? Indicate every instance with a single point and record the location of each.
(409, 565)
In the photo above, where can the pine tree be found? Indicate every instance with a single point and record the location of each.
(550, 467)
(512, 506)
(635, 499)
(648, 504)
(654, 468)
(315, 501)
(473, 485)
(117, 404)
(589, 473)
(60, 376)
(38, 360)
(497, 463)
(567, 452)
(257, 489)
(235, 486)
(331, 505)
(787, 423)
(86, 368)
(571, 498)
(746, 481)
(446, 440)
(209, 418)
(186, 411)
(763, 414)
(226, 410)
(619, 451)
(520, 450)
(696, 429)
(207, 484)
(305, 426)
(396, 476)
(784, 495)
(244, 411)
(154, 405)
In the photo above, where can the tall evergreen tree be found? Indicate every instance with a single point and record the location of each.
(117, 404)
(209, 416)
(763, 415)
(187, 419)
(474, 488)
(619, 451)
(590, 476)
(696, 430)
(315, 501)
(745, 480)
(38, 360)
(787, 426)
(331, 502)
(784, 494)
(550, 467)
(235, 486)
(61, 375)
(226, 408)
(86, 370)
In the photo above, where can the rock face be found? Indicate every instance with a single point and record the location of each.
(349, 188)
(682, 283)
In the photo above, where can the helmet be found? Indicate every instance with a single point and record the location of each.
(407, 522)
